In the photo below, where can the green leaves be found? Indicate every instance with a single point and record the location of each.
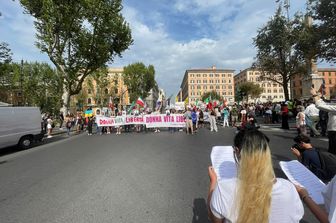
(139, 80)
(211, 94)
(79, 36)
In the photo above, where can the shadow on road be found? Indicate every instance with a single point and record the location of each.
(200, 212)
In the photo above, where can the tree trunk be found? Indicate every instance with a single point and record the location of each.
(285, 88)
(65, 100)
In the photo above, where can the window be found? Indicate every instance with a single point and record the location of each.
(217, 81)
(216, 75)
(191, 81)
(263, 85)
(223, 81)
(275, 91)
(210, 75)
(198, 75)
(211, 81)
(211, 86)
(198, 81)
(205, 81)
(205, 75)
(275, 85)
(229, 81)
(330, 82)
(199, 87)
(217, 87)
(280, 90)
(205, 87)
(223, 75)
(230, 86)
(268, 85)
(269, 91)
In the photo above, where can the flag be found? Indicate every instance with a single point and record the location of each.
(206, 101)
(186, 101)
(140, 102)
(158, 104)
(131, 107)
(110, 103)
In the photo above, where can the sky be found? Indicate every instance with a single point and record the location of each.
(172, 35)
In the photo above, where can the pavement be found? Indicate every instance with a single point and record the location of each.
(132, 177)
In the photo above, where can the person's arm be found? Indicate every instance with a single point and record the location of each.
(213, 183)
(320, 104)
(297, 154)
(318, 212)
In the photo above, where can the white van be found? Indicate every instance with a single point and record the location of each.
(20, 126)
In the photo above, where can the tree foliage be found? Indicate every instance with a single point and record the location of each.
(79, 37)
(213, 94)
(5, 53)
(38, 82)
(276, 54)
(324, 12)
(250, 89)
(139, 80)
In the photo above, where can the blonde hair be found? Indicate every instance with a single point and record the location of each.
(256, 178)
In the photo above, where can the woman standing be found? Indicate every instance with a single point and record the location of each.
(255, 195)
(301, 120)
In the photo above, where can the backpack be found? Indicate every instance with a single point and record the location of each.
(328, 164)
(68, 124)
(194, 117)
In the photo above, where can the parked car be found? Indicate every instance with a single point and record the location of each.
(20, 126)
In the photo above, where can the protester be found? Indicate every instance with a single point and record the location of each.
(255, 195)
(331, 109)
(188, 120)
(301, 120)
(68, 124)
(200, 119)
(61, 118)
(329, 195)
(307, 154)
(89, 125)
(284, 116)
(226, 117)
(49, 126)
(213, 125)
(312, 117)
(234, 115)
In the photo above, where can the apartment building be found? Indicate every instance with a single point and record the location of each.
(272, 91)
(329, 76)
(196, 82)
(96, 94)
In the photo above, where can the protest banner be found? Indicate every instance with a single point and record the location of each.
(151, 121)
(158, 121)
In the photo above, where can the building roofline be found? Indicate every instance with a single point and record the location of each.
(210, 69)
(326, 69)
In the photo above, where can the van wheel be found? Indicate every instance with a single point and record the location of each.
(25, 142)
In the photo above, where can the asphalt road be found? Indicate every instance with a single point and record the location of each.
(135, 177)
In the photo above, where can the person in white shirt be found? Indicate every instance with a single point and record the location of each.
(329, 196)
(255, 195)
(312, 116)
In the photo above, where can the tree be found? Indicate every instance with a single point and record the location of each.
(213, 94)
(79, 37)
(5, 53)
(139, 80)
(250, 89)
(324, 12)
(275, 51)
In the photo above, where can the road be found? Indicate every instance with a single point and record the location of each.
(135, 177)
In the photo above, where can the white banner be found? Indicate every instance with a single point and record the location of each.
(151, 121)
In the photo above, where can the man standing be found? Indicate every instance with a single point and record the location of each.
(213, 125)
(331, 109)
(312, 115)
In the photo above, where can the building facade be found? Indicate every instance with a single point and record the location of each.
(196, 82)
(329, 76)
(272, 91)
(97, 93)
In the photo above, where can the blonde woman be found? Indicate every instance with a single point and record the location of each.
(255, 195)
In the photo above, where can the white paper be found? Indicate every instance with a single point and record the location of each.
(223, 162)
(300, 175)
